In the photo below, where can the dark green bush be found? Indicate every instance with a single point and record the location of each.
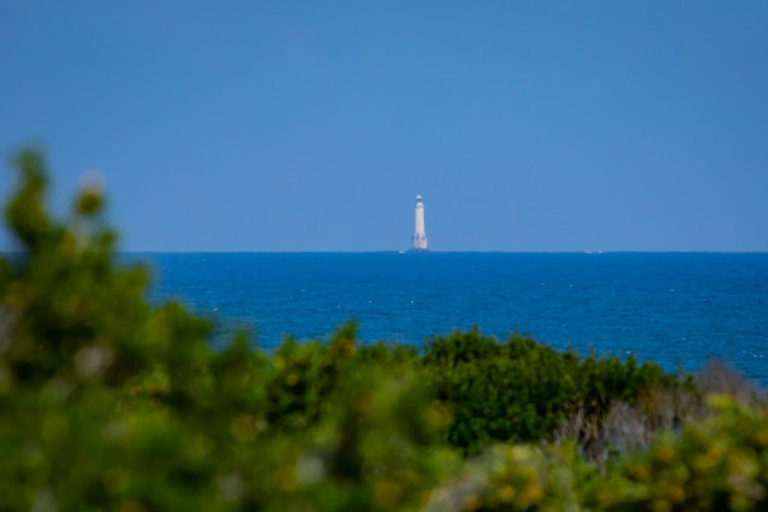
(520, 390)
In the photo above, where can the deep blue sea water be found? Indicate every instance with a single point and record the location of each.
(667, 307)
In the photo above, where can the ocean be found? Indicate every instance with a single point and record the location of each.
(673, 308)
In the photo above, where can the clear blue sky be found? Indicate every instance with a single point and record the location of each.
(311, 126)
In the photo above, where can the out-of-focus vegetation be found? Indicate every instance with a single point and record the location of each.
(109, 403)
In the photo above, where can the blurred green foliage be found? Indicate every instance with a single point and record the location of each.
(718, 464)
(109, 403)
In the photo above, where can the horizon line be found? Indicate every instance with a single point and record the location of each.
(395, 251)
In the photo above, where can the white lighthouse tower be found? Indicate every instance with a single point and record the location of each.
(419, 240)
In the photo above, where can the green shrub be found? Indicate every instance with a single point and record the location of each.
(520, 390)
(719, 464)
(508, 478)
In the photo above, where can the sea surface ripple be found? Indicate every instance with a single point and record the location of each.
(668, 307)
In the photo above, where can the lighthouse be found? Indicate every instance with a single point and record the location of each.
(419, 240)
